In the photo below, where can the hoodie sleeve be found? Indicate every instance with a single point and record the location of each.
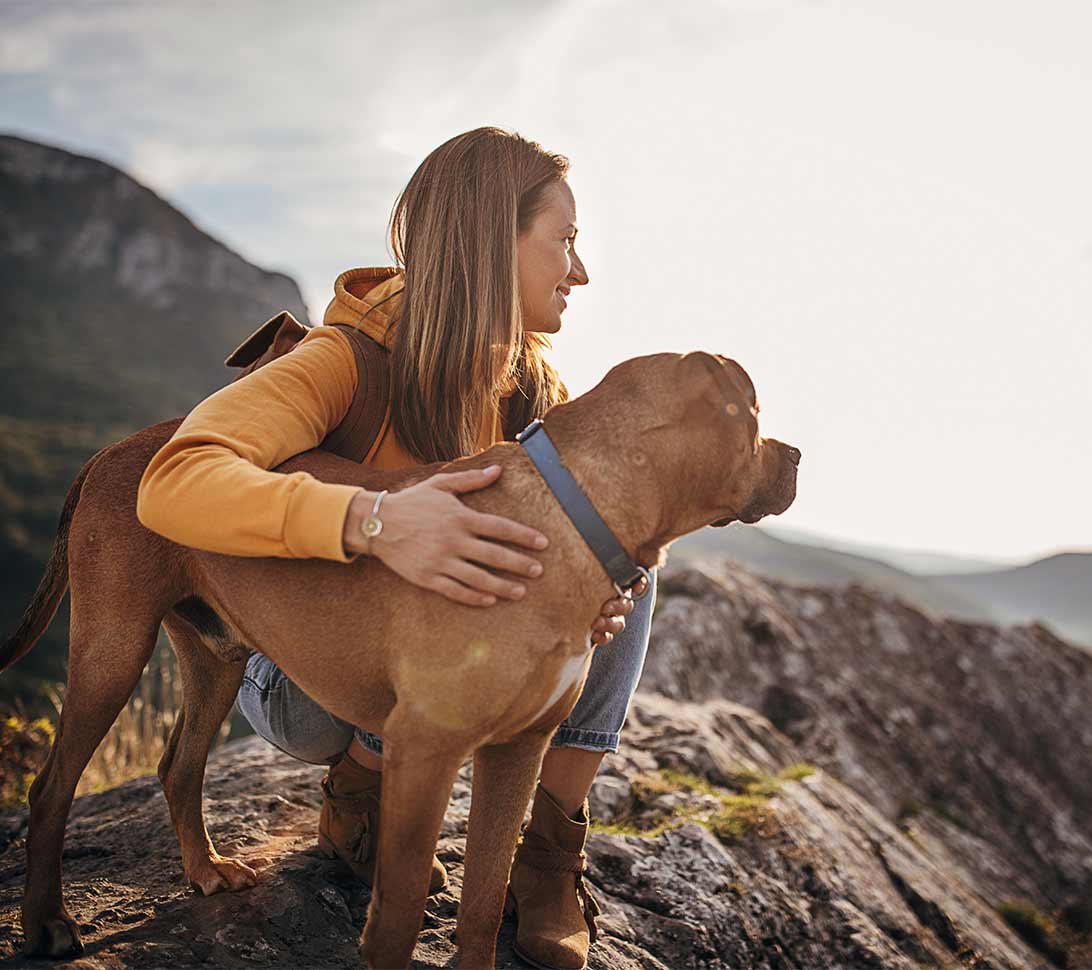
(210, 486)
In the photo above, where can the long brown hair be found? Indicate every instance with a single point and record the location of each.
(459, 338)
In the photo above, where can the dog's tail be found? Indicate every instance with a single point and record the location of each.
(43, 607)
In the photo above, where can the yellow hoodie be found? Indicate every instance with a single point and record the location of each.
(209, 486)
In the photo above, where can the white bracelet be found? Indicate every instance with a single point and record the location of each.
(372, 525)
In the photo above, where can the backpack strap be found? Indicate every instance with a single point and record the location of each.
(369, 413)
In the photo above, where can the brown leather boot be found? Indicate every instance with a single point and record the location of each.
(554, 909)
(349, 821)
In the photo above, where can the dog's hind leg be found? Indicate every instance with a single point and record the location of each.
(107, 653)
(504, 782)
(209, 686)
(418, 774)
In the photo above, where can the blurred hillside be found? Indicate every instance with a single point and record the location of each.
(118, 313)
(1057, 589)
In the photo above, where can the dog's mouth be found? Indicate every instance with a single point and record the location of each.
(747, 518)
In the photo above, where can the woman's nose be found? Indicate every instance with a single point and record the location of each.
(578, 276)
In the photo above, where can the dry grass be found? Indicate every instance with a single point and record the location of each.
(131, 748)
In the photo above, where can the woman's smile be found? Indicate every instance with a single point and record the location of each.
(547, 254)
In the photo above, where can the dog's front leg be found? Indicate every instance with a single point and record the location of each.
(419, 769)
(504, 781)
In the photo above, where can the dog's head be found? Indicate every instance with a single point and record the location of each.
(762, 479)
(698, 414)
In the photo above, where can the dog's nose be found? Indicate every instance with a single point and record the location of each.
(794, 455)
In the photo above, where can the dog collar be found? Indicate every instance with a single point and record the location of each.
(623, 571)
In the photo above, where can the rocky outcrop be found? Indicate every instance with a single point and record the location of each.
(78, 216)
(119, 310)
(976, 735)
(719, 840)
(808, 875)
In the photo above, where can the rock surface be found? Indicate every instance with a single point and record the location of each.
(979, 736)
(825, 879)
(714, 845)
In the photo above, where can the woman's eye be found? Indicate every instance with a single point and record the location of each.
(571, 240)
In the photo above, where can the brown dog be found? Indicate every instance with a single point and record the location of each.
(663, 445)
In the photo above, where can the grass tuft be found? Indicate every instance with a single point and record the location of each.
(736, 815)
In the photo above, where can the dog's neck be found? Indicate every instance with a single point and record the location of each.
(633, 505)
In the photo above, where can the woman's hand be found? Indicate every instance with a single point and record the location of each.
(612, 617)
(432, 539)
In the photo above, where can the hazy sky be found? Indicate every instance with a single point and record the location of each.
(881, 208)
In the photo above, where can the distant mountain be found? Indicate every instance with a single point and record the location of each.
(796, 562)
(117, 308)
(908, 560)
(1057, 590)
(118, 312)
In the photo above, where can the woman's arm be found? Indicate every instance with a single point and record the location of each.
(209, 486)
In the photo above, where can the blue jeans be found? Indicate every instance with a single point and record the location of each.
(289, 719)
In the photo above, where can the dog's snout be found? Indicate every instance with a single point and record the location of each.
(794, 455)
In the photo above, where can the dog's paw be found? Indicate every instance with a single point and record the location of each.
(57, 937)
(220, 874)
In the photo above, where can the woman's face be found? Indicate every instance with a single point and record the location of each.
(547, 262)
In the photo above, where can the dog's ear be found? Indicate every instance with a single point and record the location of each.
(738, 375)
(713, 381)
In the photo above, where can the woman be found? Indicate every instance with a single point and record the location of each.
(484, 234)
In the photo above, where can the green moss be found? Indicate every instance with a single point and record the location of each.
(655, 824)
(738, 817)
(797, 771)
(738, 813)
(1034, 927)
(684, 781)
(908, 830)
(744, 778)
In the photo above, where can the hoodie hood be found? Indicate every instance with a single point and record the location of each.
(370, 299)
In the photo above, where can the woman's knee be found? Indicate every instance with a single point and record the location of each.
(288, 718)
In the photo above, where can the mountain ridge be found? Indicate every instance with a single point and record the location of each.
(1052, 590)
(119, 312)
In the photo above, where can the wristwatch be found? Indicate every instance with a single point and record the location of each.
(372, 525)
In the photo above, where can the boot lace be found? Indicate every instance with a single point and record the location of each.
(539, 852)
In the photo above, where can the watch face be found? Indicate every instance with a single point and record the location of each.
(371, 526)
